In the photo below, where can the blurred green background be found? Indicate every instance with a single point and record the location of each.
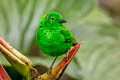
(98, 58)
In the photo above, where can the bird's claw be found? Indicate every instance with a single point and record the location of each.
(36, 74)
(66, 57)
(49, 74)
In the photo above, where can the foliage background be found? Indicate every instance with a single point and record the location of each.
(98, 58)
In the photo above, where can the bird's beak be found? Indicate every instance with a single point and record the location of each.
(62, 21)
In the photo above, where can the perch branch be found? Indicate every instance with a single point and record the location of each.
(24, 66)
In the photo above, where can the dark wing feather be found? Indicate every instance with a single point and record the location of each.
(69, 37)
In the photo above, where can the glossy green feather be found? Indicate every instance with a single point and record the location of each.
(53, 37)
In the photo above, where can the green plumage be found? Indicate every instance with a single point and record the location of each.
(53, 38)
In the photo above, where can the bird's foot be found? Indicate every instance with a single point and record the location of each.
(49, 74)
(66, 57)
(35, 76)
(51, 67)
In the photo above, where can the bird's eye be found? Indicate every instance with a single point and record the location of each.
(52, 19)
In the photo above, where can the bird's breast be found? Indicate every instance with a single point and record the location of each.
(52, 42)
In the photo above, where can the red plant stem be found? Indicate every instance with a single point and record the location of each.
(64, 63)
(72, 53)
(3, 74)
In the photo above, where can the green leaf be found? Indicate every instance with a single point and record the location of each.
(3, 60)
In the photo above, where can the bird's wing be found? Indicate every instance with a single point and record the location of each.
(69, 36)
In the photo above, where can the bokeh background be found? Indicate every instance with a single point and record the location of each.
(96, 21)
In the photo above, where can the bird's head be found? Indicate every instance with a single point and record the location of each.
(52, 19)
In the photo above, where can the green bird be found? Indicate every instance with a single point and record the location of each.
(53, 38)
